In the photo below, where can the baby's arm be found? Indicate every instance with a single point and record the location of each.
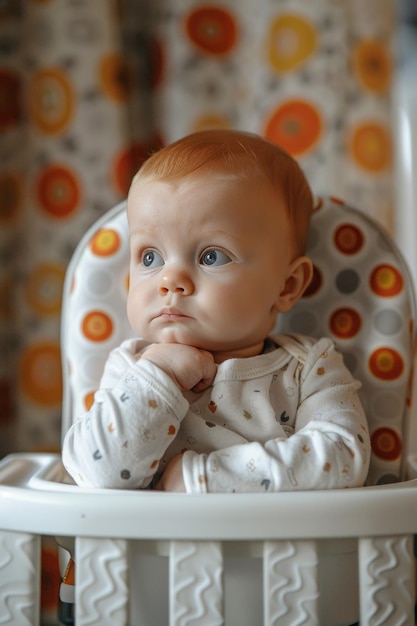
(136, 415)
(329, 449)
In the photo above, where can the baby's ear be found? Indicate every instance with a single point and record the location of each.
(299, 276)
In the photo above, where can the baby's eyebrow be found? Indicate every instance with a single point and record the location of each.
(143, 232)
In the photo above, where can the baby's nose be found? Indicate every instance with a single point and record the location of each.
(176, 281)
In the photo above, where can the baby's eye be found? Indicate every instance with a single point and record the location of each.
(151, 258)
(214, 257)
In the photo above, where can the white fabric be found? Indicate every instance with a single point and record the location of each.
(285, 420)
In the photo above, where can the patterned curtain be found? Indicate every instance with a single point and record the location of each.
(88, 89)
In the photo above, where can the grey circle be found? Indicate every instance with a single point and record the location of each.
(98, 282)
(388, 322)
(347, 281)
(387, 479)
(92, 368)
(385, 405)
(303, 322)
(350, 361)
(313, 238)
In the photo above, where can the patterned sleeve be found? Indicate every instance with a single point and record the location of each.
(329, 449)
(119, 442)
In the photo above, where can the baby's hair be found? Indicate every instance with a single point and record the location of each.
(236, 154)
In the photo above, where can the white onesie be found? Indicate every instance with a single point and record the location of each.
(287, 419)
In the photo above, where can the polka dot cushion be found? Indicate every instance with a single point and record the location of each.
(360, 296)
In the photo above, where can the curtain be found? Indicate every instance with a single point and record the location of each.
(89, 89)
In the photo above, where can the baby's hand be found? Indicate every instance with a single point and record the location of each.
(172, 478)
(189, 368)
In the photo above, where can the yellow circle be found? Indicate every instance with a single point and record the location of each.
(291, 40)
(44, 289)
(208, 122)
(105, 242)
(40, 374)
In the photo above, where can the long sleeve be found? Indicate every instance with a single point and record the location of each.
(326, 447)
(136, 415)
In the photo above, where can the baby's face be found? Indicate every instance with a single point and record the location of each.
(209, 259)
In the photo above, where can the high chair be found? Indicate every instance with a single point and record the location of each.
(151, 558)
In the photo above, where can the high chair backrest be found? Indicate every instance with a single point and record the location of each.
(361, 296)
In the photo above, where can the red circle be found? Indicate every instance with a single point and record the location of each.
(58, 191)
(345, 323)
(386, 444)
(129, 161)
(386, 281)
(349, 239)
(212, 30)
(386, 364)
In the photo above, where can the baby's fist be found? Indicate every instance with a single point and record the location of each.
(189, 367)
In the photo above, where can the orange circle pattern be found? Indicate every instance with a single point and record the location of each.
(349, 239)
(291, 40)
(58, 191)
(40, 374)
(386, 364)
(373, 65)
(105, 242)
(213, 30)
(296, 125)
(345, 323)
(44, 289)
(386, 444)
(97, 326)
(386, 281)
(115, 77)
(51, 100)
(371, 147)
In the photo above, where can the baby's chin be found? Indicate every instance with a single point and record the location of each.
(172, 336)
(221, 351)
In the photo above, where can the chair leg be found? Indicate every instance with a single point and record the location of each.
(291, 568)
(195, 583)
(387, 580)
(101, 582)
(20, 578)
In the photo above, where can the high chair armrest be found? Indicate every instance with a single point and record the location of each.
(35, 499)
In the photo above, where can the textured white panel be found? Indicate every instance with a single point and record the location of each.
(19, 579)
(386, 569)
(101, 582)
(196, 573)
(291, 583)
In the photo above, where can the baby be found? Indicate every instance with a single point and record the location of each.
(205, 399)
